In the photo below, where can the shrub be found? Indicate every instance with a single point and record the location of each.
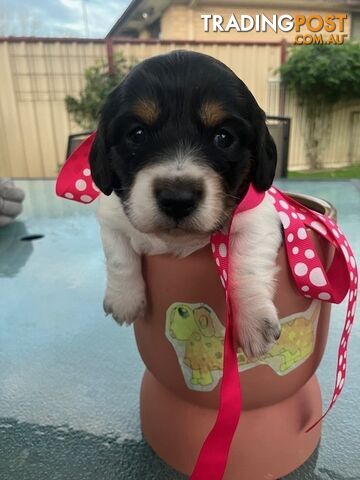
(325, 73)
(98, 83)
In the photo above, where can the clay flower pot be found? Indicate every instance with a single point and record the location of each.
(181, 341)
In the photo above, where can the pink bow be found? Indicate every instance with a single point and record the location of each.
(312, 280)
(74, 181)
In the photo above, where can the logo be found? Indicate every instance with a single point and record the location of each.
(309, 29)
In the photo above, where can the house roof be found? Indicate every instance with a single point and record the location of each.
(138, 15)
(142, 13)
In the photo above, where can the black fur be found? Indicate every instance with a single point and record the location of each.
(179, 83)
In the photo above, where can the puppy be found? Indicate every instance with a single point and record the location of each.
(178, 143)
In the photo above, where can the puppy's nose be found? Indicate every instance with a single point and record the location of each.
(177, 201)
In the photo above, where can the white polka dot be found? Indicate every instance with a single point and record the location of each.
(351, 276)
(272, 199)
(222, 250)
(301, 233)
(69, 195)
(300, 269)
(284, 219)
(307, 296)
(335, 397)
(334, 231)
(222, 281)
(345, 252)
(324, 296)
(217, 262)
(301, 216)
(95, 187)
(295, 250)
(86, 172)
(341, 359)
(351, 295)
(290, 237)
(319, 227)
(341, 383)
(338, 380)
(309, 253)
(345, 353)
(317, 277)
(346, 243)
(305, 288)
(85, 198)
(352, 261)
(284, 204)
(353, 309)
(213, 248)
(272, 189)
(294, 215)
(348, 326)
(225, 274)
(80, 185)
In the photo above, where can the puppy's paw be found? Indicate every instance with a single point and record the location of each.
(125, 309)
(256, 334)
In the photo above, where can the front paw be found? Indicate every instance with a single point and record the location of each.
(258, 332)
(125, 309)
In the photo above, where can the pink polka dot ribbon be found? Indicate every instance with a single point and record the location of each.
(74, 181)
(311, 278)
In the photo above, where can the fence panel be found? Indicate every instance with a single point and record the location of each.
(37, 74)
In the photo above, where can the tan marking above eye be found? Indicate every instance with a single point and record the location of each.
(146, 110)
(212, 113)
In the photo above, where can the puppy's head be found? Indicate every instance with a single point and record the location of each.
(179, 141)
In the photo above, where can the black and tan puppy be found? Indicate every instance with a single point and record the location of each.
(179, 141)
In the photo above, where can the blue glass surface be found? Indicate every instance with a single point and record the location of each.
(70, 378)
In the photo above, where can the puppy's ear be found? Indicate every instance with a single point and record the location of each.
(100, 162)
(264, 155)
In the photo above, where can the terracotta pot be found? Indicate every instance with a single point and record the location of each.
(180, 342)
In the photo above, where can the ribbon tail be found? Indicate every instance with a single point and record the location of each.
(214, 453)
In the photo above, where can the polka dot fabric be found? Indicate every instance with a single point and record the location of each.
(310, 276)
(74, 181)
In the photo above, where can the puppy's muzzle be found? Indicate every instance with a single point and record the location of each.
(178, 199)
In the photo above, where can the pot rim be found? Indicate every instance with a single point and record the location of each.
(314, 203)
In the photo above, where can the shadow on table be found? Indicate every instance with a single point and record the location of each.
(14, 253)
(33, 452)
(310, 471)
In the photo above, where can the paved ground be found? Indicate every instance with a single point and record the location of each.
(69, 378)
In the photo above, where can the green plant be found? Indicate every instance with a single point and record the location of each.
(325, 73)
(321, 76)
(98, 83)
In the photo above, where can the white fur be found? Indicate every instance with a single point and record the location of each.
(143, 209)
(254, 245)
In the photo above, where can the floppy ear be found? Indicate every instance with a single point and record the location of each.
(100, 162)
(264, 154)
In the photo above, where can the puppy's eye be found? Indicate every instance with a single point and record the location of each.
(137, 136)
(223, 139)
